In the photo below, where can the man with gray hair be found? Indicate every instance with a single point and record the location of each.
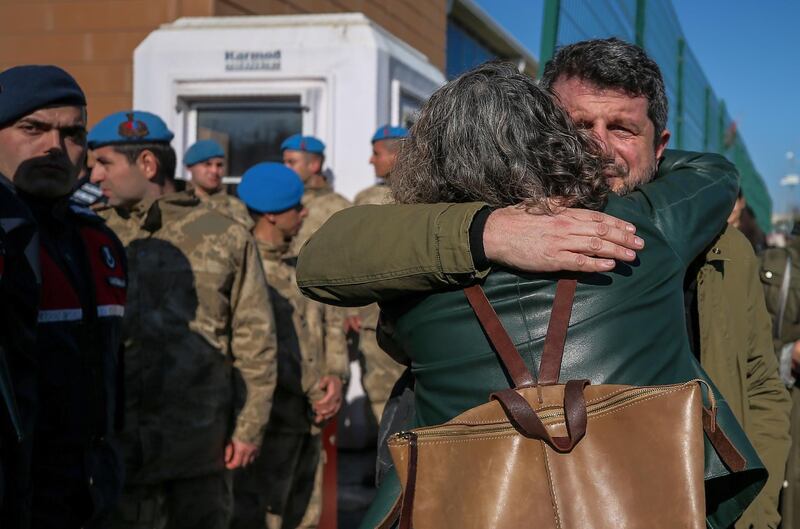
(614, 90)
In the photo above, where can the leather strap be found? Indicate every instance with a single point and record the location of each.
(525, 420)
(499, 338)
(407, 508)
(726, 450)
(553, 351)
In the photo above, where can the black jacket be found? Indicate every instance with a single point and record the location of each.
(19, 299)
(78, 346)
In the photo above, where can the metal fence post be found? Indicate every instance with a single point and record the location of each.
(640, 21)
(707, 119)
(722, 111)
(679, 107)
(549, 33)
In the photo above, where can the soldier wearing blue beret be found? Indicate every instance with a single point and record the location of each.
(305, 155)
(75, 466)
(380, 371)
(280, 485)
(205, 161)
(385, 146)
(200, 356)
(132, 151)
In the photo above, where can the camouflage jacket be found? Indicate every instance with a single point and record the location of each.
(228, 206)
(200, 361)
(321, 202)
(376, 194)
(308, 334)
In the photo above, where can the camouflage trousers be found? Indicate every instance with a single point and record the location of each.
(282, 489)
(204, 502)
(380, 371)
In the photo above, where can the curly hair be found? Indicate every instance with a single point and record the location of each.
(493, 135)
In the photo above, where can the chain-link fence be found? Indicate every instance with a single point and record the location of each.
(698, 118)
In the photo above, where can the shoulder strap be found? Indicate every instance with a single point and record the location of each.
(499, 338)
(553, 343)
(557, 332)
(777, 325)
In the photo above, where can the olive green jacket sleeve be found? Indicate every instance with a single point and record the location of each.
(770, 409)
(371, 253)
(253, 346)
(736, 352)
(379, 253)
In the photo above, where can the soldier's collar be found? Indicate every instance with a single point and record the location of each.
(147, 213)
(272, 252)
(320, 189)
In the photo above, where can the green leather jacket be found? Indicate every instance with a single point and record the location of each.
(642, 339)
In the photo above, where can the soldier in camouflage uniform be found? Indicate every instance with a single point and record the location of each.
(279, 487)
(306, 156)
(200, 361)
(205, 160)
(380, 370)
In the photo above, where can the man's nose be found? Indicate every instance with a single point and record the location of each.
(52, 141)
(600, 134)
(95, 176)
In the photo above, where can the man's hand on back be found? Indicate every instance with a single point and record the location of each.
(573, 239)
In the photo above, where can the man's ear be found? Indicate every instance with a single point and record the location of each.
(661, 144)
(148, 164)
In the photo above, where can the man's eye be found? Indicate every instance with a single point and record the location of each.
(620, 128)
(29, 129)
(76, 134)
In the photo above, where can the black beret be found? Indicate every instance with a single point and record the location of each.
(25, 89)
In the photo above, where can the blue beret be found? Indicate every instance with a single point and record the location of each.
(389, 133)
(270, 187)
(201, 151)
(133, 126)
(25, 89)
(303, 143)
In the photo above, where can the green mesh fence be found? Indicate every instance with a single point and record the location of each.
(697, 116)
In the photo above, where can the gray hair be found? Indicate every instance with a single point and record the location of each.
(493, 135)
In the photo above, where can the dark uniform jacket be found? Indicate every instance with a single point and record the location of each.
(19, 300)
(78, 351)
(642, 339)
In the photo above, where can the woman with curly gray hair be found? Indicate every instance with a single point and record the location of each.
(493, 136)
